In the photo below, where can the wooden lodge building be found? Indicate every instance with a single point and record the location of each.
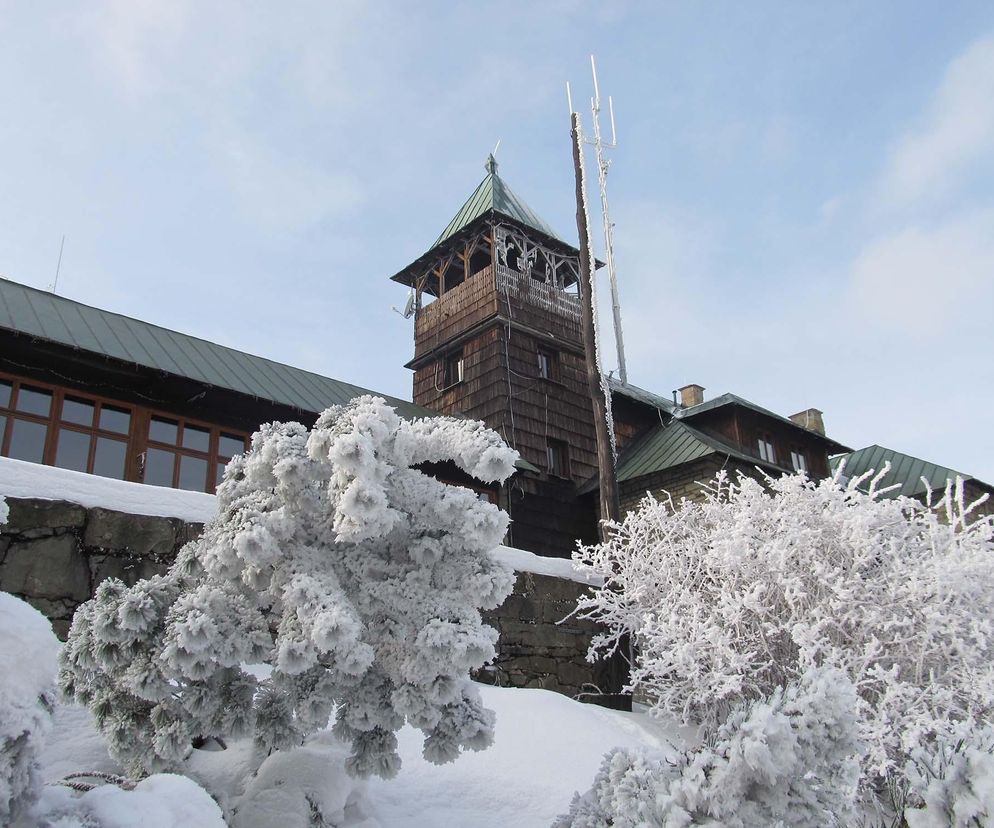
(496, 338)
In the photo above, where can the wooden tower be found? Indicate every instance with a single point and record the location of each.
(497, 339)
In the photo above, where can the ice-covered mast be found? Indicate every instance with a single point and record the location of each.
(600, 394)
(602, 168)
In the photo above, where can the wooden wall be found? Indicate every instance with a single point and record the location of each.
(499, 325)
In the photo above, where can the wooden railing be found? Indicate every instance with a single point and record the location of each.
(515, 283)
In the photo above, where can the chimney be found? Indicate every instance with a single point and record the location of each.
(810, 419)
(691, 395)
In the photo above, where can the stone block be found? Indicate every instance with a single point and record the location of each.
(531, 665)
(518, 606)
(571, 673)
(52, 609)
(60, 627)
(135, 534)
(188, 532)
(542, 637)
(46, 568)
(549, 588)
(129, 569)
(33, 515)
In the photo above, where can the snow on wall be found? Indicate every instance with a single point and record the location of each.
(31, 480)
(20, 479)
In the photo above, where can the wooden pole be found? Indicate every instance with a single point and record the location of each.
(610, 507)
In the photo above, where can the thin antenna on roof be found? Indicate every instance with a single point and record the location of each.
(602, 167)
(58, 267)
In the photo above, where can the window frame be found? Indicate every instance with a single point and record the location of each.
(453, 363)
(557, 468)
(798, 454)
(548, 363)
(136, 439)
(766, 448)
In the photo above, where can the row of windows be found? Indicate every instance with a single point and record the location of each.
(767, 452)
(453, 367)
(58, 427)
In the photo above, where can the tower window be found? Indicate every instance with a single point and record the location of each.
(548, 364)
(452, 372)
(766, 451)
(557, 458)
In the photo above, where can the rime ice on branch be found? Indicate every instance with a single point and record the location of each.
(733, 597)
(358, 577)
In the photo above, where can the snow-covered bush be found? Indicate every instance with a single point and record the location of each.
(28, 663)
(736, 595)
(4, 510)
(358, 577)
(789, 760)
(954, 783)
(164, 800)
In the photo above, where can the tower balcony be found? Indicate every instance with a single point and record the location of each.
(497, 290)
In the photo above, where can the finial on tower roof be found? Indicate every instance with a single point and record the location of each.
(491, 165)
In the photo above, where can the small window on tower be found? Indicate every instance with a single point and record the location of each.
(452, 370)
(766, 450)
(557, 458)
(548, 364)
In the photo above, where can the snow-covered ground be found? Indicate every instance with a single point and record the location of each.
(547, 747)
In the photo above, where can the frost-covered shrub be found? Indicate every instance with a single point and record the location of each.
(358, 577)
(736, 595)
(954, 783)
(789, 760)
(28, 664)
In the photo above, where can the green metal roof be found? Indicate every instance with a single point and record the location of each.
(36, 313)
(906, 472)
(640, 395)
(668, 446)
(494, 196)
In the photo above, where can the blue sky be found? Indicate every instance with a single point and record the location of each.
(803, 193)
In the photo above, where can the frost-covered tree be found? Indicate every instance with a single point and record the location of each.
(789, 760)
(955, 784)
(357, 576)
(28, 653)
(734, 596)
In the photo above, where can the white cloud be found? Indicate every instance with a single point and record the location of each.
(923, 278)
(957, 131)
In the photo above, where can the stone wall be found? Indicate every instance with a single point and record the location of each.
(540, 647)
(54, 554)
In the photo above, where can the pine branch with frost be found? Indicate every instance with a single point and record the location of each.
(359, 578)
(789, 759)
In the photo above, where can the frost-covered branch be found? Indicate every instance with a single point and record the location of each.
(734, 596)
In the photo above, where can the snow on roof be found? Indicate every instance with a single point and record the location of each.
(30, 480)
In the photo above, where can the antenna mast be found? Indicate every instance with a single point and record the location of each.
(58, 267)
(602, 168)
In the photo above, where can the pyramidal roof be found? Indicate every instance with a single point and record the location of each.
(493, 195)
